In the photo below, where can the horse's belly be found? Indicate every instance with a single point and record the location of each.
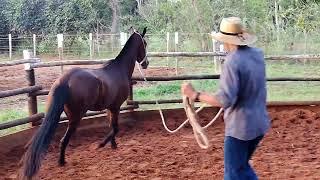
(99, 106)
(109, 103)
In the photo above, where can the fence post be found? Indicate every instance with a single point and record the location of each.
(168, 46)
(98, 46)
(176, 41)
(90, 45)
(221, 50)
(112, 40)
(60, 48)
(123, 39)
(215, 58)
(10, 46)
(130, 96)
(305, 45)
(32, 100)
(34, 45)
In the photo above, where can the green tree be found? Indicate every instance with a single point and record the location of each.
(26, 16)
(72, 16)
(4, 24)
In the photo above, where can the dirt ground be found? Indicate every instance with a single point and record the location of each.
(290, 150)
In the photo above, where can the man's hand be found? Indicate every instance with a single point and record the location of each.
(188, 90)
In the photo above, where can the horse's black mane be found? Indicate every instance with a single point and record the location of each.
(122, 52)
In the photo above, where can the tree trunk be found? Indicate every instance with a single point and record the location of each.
(140, 2)
(114, 4)
(276, 6)
(200, 25)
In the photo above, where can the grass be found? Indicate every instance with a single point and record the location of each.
(12, 114)
(293, 91)
(277, 91)
(293, 69)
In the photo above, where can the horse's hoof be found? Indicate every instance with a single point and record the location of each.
(114, 145)
(101, 145)
(62, 163)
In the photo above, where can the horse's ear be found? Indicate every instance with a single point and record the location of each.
(144, 31)
(131, 30)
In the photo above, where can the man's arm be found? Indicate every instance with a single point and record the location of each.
(189, 91)
(227, 93)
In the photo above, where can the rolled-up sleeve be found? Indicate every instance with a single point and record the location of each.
(227, 93)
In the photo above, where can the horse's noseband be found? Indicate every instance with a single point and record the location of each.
(144, 60)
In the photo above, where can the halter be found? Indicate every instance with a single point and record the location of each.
(145, 50)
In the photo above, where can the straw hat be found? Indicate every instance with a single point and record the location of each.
(232, 32)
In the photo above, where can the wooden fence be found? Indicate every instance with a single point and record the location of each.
(34, 90)
(17, 62)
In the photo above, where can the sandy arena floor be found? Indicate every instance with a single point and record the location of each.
(146, 151)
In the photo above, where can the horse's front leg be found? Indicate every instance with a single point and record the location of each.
(115, 128)
(111, 136)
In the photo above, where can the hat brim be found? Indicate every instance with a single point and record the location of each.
(246, 38)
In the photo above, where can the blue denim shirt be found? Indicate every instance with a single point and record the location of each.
(242, 92)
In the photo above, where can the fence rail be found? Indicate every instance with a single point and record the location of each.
(270, 103)
(94, 113)
(36, 63)
(94, 45)
(184, 54)
(36, 118)
(17, 62)
(196, 77)
(217, 54)
(294, 57)
(202, 77)
(68, 62)
(19, 91)
(17, 122)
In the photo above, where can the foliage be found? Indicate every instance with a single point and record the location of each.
(272, 20)
(4, 25)
(71, 16)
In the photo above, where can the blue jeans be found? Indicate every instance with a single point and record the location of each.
(237, 154)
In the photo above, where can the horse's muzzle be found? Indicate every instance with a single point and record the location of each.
(145, 64)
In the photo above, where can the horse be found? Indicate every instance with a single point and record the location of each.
(80, 90)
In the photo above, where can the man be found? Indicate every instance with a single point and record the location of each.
(242, 94)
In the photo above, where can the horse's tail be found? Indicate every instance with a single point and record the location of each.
(41, 140)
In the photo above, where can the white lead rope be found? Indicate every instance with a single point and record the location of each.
(199, 134)
(198, 131)
(177, 129)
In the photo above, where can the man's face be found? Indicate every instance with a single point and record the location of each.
(229, 47)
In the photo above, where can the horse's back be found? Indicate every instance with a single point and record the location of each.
(84, 87)
(95, 89)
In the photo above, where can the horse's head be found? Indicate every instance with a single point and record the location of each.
(142, 49)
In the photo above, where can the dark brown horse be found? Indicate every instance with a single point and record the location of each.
(80, 90)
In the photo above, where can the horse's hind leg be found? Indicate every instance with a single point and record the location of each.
(115, 129)
(74, 120)
(65, 140)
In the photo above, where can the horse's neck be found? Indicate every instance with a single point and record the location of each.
(127, 59)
